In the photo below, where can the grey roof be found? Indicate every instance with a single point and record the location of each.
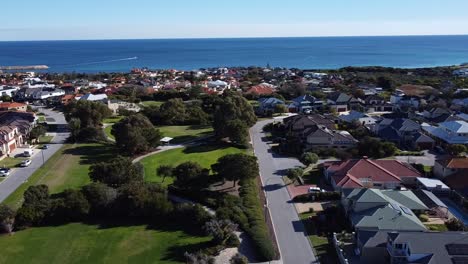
(429, 199)
(426, 247)
(406, 198)
(388, 217)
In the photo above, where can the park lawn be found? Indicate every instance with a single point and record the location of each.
(112, 119)
(107, 131)
(185, 133)
(81, 243)
(45, 139)
(42, 119)
(152, 103)
(10, 162)
(204, 155)
(67, 168)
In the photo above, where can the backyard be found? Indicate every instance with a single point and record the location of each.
(205, 155)
(82, 243)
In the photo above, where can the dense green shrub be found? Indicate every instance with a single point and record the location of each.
(258, 229)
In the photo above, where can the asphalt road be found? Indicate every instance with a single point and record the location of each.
(20, 175)
(290, 233)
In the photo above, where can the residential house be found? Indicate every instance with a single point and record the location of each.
(402, 101)
(451, 132)
(68, 98)
(342, 102)
(321, 137)
(305, 104)
(374, 103)
(391, 247)
(361, 118)
(433, 185)
(267, 106)
(8, 90)
(295, 125)
(372, 209)
(14, 129)
(261, 89)
(454, 172)
(403, 132)
(436, 206)
(366, 173)
(94, 97)
(13, 106)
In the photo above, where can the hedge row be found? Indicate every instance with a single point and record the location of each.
(258, 229)
(312, 197)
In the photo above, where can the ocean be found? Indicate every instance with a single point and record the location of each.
(188, 54)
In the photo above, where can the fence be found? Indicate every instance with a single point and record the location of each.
(339, 251)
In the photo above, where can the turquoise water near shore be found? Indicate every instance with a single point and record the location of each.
(188, 54)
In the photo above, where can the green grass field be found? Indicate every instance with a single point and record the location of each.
(204, 155)
(107, 131)
(67, 168)
(185, 133)
(10, 162)
(112, 119)
(152, 103)
(80, 243)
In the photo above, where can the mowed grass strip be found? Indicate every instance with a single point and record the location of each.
(182, 134)
(205, 155)
(81, 243)
(67, 168)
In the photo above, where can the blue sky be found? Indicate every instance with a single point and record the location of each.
(119, 19)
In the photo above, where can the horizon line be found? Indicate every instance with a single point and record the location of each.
(243, 37)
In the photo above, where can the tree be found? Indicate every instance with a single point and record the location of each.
(190, 175)
(294, 173)
(165, 171)
(237, 132)
(455, 225)
(7, 218)
(36, 204)
(75, 125)
(70, 205)
(238, 259)
(99, 196)
(135, 134)
(309, 158)
(373, 147)
(198, 258)
(37, 132)
(220, 230)
(232, 107)
(456, 149)
(90, 113)
(281, 108)
(235, 167)
(384, 83)
(116, 172)
(173, 112)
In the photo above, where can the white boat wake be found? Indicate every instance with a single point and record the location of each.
(106, 61)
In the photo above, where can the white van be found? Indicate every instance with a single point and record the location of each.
(28, 153)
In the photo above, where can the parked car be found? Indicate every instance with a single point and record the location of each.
(28, 153)
(45, 147)
(4, 172)
(25, 163)
(315, 190)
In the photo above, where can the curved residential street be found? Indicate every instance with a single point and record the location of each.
(20, 175)
(290, 233)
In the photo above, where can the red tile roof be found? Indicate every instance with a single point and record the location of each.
(348, 173)
(454, 163)
(11, 105)
(260, 89)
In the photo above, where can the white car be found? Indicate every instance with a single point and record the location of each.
(25, 163)
(315, 190)
(4, 172)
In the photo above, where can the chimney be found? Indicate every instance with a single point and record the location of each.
(365, 157)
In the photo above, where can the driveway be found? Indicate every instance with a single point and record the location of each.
(290, 233)
(20, 175)
(428, 159)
